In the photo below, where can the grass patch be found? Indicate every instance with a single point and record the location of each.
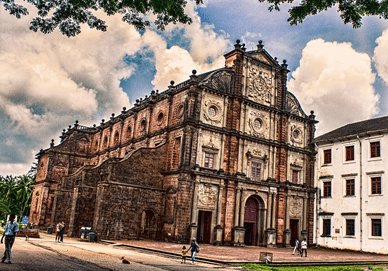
(258, 267)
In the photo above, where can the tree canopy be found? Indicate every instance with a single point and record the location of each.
(68, 15)
(351, 11)
(15, 194)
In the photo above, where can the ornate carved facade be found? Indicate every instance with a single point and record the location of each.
(224, 156)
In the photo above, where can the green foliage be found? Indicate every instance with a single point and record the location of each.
(68, 15)
(255, 267)
(15, 194)
(351, 11)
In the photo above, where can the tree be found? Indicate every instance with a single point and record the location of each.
(68, 15)
(351, 11)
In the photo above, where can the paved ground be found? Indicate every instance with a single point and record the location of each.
(45, 254)
(251, 254)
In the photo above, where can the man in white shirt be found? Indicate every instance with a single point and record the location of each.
(10, 230)
(304, 247)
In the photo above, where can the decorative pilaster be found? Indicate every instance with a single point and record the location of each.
(287, 231)
(238, 232)
(194, 214)
(218, 227)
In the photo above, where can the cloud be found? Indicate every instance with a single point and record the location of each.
(49, 81)
(336, 82)
(380, 57)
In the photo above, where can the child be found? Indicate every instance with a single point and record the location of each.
(184, 252)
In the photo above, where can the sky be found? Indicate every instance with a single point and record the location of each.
(49, 81)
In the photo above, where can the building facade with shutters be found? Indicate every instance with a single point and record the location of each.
(353, 189)
(224, 156)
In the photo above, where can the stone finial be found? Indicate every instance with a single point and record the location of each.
(102, 121)
(172, 82)
(137, 101)
(312, 116)
(153, 92)
(237, 46)
(157, 91)
(193, 76)
(63, 131)
(243, 47)
(276, 59)
(52, 143)
(284, 65)
(69, 128)
(94, 125)
(260, 45)
(123, 111)
(76, 124)
(146, 97)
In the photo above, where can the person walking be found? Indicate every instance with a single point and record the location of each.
(304, 247)
(194, 248)
(296, 247)
(10, 230)
(62, 231)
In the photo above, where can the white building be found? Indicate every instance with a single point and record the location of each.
(352, 181)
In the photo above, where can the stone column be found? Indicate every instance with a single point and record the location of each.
(269, 206)
(304, 232)
(287, 231)
(237, 206)
(271, 232)
(237, 230)
(218, 228)
(194, 212)
(242, 209)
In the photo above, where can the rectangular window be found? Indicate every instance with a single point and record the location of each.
(295, 176)
(327, 156)
(376, 185)
(256, 171)
(327, 189)
(350, 187)
(375, 149)
(376, 227)
(209, 160)
(349, 153)
(350, 227)
(326, 227)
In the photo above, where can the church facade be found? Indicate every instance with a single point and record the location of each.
(224, 157)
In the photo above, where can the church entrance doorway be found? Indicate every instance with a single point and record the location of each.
(294, 227)
(250, 221)
(254, 219)
(204, 227)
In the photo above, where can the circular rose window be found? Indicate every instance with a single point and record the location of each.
(257, 124)
(212, 111)
(160, 118)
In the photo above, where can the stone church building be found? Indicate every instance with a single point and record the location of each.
(224, 157)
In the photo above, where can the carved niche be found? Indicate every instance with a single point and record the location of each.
(259, 84)
(213, 111)
(257, 124)
(296, 135)
(296, 207)
(207, 195)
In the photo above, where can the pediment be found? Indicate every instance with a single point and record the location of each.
(293, 106)
(264, 57)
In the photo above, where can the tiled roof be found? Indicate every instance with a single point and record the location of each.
(357, 128)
